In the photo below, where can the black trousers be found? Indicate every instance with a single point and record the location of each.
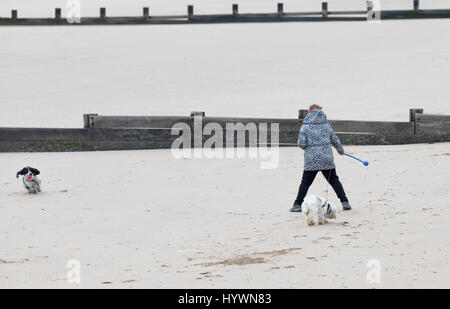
(330, 176)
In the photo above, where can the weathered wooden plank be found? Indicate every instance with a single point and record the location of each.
(407, 14)
(138, 121)
(354, 139)
(427, 118)
(429, 128)
(302, 13)
(284, 124)
(168, 17)
(347, 13)
(169, 121)
(35, 134)
(286, 139)
(232, 17)
(290, 139)
(376, 127)
(56, 134)
(69, 146)
(131, 134)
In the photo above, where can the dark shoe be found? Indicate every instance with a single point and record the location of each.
(296, 208)
(346, 206)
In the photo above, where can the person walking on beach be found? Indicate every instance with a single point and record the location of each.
(315, 138)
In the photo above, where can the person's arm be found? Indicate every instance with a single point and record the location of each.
(336, 142)
(302, 141)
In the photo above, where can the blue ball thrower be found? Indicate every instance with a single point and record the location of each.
(365, 163)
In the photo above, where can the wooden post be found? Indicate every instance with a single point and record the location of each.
(197, 129)
(146, 12)
(302, 113)
(324, 10)
(235, 10)
(190, 11)
(88, 122)
(416, 6)
(197, 113)
(58, 14)
(413, 112)
(412, 116)
(369, 6)
(280, 9)
(102, 13)
(14, 14)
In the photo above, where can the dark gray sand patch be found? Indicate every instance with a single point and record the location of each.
(255, 258)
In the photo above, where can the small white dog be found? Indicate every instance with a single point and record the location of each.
(317, 210)
(30, 179)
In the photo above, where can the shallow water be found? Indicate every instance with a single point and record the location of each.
(50, 76)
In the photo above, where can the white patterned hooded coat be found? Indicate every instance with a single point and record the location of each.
(316, 137)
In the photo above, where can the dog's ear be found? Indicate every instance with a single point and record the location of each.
(34, 171)
(21, 172)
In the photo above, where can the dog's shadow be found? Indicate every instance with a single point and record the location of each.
(37, 194)
(24, 194)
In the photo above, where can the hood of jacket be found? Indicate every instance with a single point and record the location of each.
(316, 116)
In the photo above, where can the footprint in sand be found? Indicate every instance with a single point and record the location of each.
(325, 237)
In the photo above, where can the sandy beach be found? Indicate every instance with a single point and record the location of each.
(145, 219)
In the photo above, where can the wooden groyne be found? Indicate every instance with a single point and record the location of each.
(279, 15)
(156, 132)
